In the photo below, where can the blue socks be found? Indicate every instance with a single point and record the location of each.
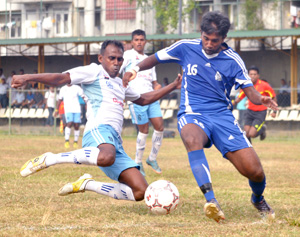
(201, 173)
(257, 189)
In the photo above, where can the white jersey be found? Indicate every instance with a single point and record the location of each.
(69, 94)
(105, 95)
(143, 81)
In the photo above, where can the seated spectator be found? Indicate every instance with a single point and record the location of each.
(19, 99)
(28, 100)
(3, 93)
(38, 100)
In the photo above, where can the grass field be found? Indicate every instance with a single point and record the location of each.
(31, 207)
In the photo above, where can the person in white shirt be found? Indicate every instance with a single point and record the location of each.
(141, 115)
(69, 94)
(102, 142)
(50, 102)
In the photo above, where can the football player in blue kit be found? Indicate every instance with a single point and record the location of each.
(210, 69)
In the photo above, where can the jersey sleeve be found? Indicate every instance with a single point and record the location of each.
(269, 90)
(131, 95)
(84, 74)
(170, 54)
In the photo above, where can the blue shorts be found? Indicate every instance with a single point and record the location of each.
(222, 130)
(106, 134)
(73, 117)
(142, 114)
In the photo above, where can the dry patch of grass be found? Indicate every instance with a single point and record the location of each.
(31, 207)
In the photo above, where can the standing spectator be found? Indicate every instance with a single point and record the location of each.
(284, 96)
(242, 108)
(2, 74)
(62, 117)
(69, 94)
(256, 114)
(3, 93)
(50, 102)
(83, 110)
(142, 115)
(13, 90)
(19, 98)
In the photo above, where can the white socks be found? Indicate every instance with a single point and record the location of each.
(156, 144)
(76, 135)
(115, 190)
(87, 156)
(67, 133)
(140, 146)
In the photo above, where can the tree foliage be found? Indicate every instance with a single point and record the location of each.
(253, 20)
(167, 12)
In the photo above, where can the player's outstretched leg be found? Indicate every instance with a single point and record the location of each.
(263, 207)
(34, 165)
(77, 187)
(201, 173)
(87, 156)
(140, 148)
(86, 183)
(213, 210)
(156, 144)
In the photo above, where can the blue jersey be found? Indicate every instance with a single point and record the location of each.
(207, 79)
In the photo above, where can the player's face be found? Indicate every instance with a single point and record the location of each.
(212, 43)
(254, 76)
(111, 60)
(138, 43)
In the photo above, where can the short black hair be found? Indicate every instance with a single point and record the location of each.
(116, 43)
(254, 68)
(138, 32)
(215, 22)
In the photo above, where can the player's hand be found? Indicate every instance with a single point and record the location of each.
(18, 81)
(273, 114)
(177, 82)
(128, 76)
(269, 102)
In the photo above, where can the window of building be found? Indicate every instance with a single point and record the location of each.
(98, 17)
(62, 22)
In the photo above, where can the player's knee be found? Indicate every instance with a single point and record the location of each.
(257, 174)
(139, 193)
(106, 159)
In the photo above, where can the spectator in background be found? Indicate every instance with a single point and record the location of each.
(38, 100)
(61, 112)
(284, 96)
(242, 108)
(1, 74)
(165, 82)
(50, 102)
(13, 90)
(28, 100)
(21, 71)
(3, 93)
(19, 98)
(83, 110)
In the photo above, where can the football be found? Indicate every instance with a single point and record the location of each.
(162, 197)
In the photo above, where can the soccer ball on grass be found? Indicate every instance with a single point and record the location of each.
(162, 197)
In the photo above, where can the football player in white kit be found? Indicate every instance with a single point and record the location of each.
(102, 142)
(141, 115)
(69, 94)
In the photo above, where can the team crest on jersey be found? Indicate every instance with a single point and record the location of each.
(218, 76)
(109, 85)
